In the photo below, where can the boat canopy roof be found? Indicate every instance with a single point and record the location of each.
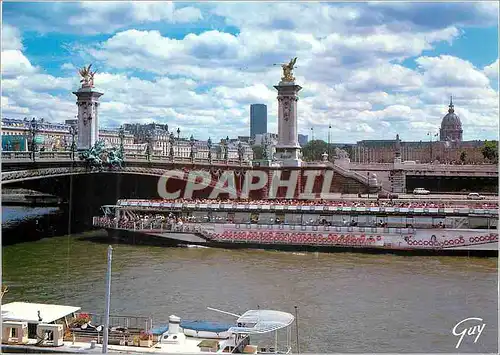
(28, 312)
(265, 321)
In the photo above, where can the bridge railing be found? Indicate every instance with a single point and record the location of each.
(65, 155)
(38, 155)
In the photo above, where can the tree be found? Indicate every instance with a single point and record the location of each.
(313, 150)
(490, 151)
(257, 152)
(463, 156)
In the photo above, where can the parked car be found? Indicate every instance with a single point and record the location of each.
(475, 196)
(421, 191)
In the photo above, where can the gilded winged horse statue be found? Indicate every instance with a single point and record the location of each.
(87, 76)
(288, 70)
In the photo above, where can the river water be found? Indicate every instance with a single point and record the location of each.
(347, 302)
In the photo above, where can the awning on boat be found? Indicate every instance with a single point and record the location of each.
(265, 321)
(29, 312)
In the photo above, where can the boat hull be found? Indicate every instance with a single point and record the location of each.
(417, 244)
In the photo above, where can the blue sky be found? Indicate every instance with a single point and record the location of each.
(372, 70)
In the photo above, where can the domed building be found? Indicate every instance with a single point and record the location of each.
(451, 127)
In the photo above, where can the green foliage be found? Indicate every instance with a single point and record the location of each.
(258, 152)
(313, 150)
(490, 151)
(463, 156)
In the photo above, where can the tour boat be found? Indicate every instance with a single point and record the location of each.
(433, 229)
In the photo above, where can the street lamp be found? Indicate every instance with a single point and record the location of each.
(329, 150)
(192, 143)
(430, 134)
(121, 135)
(171, 140)
(148, 145)
(312, 133)
(73, 130)
(33, 129)
(226, 144)
(179, 142)
(209, 146)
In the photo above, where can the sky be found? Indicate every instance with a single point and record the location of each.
(370, 70)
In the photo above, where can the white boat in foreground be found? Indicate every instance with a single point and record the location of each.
(51, 328)
(238, 339)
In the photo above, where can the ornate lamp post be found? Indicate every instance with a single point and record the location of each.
(148, 145)
(226, 148)
(179, 142)
(73, 130)
(171, 140)
(121, 135)
(209, 146)
(430, 134)
(33, 129)
(192, 142)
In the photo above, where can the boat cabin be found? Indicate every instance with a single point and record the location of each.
(35, 323)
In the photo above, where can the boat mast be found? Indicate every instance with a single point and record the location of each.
(108, 302)
(297, 327)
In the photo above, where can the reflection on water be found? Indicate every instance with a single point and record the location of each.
(15, 214)
(347, 302)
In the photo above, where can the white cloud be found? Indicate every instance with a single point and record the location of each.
(350, 66)
(11, 38)
(491, 71)
(107, 17)
(68, 67)
(451, 71)
(14, 63)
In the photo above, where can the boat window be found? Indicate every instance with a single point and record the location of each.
(241, 217)
(266, 218)
(293, 218)
(478, 222)
(493, 223)
(439, 222)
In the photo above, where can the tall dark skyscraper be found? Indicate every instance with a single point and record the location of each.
(258, 119)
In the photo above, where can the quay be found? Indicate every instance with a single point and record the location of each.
(24, 197)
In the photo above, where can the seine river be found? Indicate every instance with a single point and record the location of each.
(347, 302)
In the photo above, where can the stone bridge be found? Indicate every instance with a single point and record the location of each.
(18, 167)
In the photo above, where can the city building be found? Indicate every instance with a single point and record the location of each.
(111, 138)
(451, 126)
(258, 119)
(303, 139)
(271, 138)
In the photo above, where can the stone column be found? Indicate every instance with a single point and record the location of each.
(88, 119)
(288, 147)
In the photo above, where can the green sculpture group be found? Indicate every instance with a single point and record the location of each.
(100, 158)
